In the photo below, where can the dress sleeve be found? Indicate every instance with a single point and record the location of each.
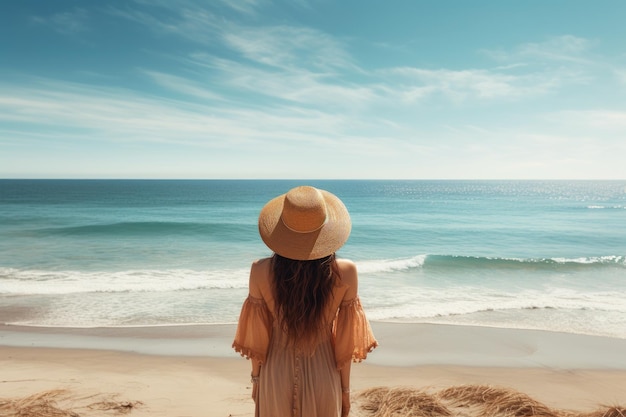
(352, 334)
(253, 329)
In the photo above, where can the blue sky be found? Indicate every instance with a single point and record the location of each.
(313, 89)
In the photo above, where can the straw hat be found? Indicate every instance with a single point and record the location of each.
(304, 224)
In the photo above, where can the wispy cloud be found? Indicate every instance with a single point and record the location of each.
(620, 74)
(310, 67)
(195, 24)
(69, 23)
(244, 6)
(561, 48)
(295, 85)
(461, 85)
(565, 48)
(605, 121)
(288, 47)
(279, 46)
(183, 86)
(122, 115)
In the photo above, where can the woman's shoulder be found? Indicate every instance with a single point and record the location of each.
(348, 272)
(260, 269)
(259, 277)
(261, 263)
(346, 265)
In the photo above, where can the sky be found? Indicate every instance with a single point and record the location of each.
(317, 89)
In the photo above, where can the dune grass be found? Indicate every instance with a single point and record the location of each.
(462, 401)
(64, 403)
(455, 401)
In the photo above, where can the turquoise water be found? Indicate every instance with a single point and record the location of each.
(533, 254)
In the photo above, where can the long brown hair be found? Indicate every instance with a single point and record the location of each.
(302, 289)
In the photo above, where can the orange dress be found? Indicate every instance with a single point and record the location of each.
(296, 382)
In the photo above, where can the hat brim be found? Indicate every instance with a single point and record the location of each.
(305, 246)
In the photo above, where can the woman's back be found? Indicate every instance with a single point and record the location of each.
(303, 379)
(262, 285)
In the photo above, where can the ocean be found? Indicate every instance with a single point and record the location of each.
(548, 255)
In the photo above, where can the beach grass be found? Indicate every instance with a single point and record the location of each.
(454, 401)
(463, 401)
(65, 403)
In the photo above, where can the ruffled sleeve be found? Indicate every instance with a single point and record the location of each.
(352, 334)
(254, 329)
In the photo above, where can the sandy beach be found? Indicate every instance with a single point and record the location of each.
(191, 370)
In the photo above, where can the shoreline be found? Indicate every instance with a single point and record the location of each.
(402, 344)
(187, 370)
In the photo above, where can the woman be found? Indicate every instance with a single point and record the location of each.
(303, 324)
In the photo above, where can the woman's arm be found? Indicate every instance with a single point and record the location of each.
(255, 291)
(254, 378)
(349, 277)
(345, 390)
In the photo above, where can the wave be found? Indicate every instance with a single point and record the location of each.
(525, 263)
(389, 265)
(405, 303)
(600, 207)
(37, 282)
(429, 262)
(31, 281)
(145, 228)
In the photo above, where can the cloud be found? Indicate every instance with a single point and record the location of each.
(310, 67)
(68, 23)
(419, 84)
(280, 46)
(593, 121)
(114, 115)
(620, 74)
(314, 65)
(565, 48)
(182, 85)
(288, 47)
(65, 113)
(192, 23)
(244, 6)
(306, 67)
(297, 86)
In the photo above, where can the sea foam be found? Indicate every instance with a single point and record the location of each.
(25, 282)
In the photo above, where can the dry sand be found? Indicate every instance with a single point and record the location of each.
(191, 370)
